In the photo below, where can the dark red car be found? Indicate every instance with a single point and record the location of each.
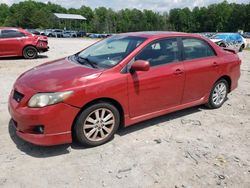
(19, 42)
(120, 81)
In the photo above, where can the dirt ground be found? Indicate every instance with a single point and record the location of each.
(195, 147)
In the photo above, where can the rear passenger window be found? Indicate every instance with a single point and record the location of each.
(196, 48)
(160, 52)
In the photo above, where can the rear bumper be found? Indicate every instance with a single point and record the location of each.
(41, 50)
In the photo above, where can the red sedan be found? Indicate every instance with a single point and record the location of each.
(19, 42)
(120, 81)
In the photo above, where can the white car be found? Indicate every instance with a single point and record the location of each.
(230, 40)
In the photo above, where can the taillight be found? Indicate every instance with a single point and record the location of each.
(42, 43)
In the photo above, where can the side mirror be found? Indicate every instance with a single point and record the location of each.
(140, 65)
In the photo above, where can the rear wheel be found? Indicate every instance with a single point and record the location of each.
(222, 45)
(218, 94)
(241, 48)
(30, 52)
(97, 124)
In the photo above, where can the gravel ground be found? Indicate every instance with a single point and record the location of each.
(195, 147)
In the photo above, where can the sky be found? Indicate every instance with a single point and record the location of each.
(155, 5)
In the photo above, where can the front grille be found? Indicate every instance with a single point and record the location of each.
(17, 96)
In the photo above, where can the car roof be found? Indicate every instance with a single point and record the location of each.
(158, 34)
(14, 28)
(227, 34)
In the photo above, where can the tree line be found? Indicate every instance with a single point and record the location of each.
(221, 17)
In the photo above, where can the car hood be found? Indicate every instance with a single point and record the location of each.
(216, 40)
(58, 75)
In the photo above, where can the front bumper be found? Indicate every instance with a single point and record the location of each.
(57, 121)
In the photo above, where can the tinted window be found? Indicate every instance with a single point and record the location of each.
(195, 48)
(160, 52)
(11, 34)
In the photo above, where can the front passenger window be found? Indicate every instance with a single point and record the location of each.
(160, 52)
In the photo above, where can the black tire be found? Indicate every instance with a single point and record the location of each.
(30, 52)
(79, 131)
(211, 104)
(222, 45)
(241, 48)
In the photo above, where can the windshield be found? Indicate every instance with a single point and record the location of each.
(220, 36)
(109, 52)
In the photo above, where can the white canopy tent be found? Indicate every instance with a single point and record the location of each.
(66, 20)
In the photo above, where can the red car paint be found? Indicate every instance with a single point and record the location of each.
(13, 46)
(143, 95)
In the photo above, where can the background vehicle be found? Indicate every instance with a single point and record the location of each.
(69, 34)
(207, 34)
(246, 35)
(230, 40)
(33, 31)
(81, 33)
(120, 81)
(48, 32)
(58, 33)
(19, 42)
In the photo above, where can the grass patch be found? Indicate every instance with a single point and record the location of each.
(247, 48)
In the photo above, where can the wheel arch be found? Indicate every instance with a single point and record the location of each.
(27, 45)
(228, 79)
(99, 100)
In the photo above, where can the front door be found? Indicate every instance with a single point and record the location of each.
(162, 86)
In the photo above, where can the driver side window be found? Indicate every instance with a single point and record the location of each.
(160, 52)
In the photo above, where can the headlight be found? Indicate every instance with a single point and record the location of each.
(44, 99)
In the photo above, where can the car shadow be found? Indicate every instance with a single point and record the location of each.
(50, 151)
(161, 119)
(34, 150)
(22, 58)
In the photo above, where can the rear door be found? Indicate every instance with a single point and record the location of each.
(201, 66)
(11, 42)
(162, 86)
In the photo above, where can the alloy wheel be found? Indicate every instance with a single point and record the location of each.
(219, 93)
(99, 124)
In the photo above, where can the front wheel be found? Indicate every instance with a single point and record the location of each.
(218, 94)
(30, 52)
(97, 124)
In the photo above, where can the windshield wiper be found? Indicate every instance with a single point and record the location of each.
(86, 60)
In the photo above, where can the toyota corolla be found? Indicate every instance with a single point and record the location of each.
(120, 81)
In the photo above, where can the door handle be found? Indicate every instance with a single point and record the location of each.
(178, 71)
(215, 64)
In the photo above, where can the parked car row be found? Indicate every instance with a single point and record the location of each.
(60, 33)
(96, 35)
